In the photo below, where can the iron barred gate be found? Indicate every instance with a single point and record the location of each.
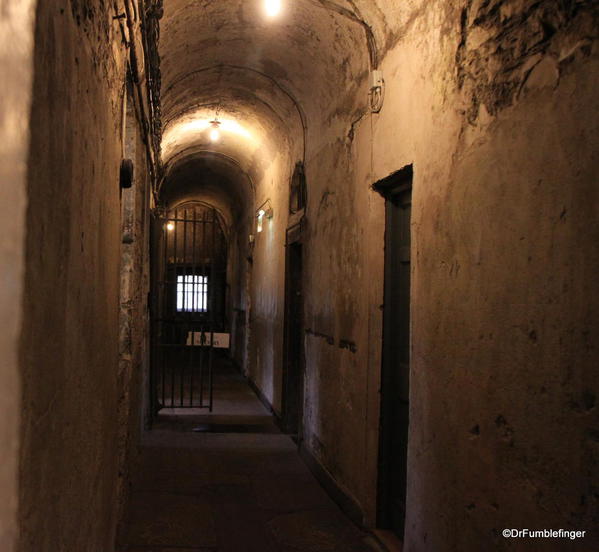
(188, 308)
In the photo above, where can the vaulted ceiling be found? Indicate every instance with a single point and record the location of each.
(264, 78)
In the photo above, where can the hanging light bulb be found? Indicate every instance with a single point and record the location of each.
(272, 7)
(215, 132)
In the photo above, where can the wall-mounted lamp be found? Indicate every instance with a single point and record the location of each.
(170, 226)
(264, 211)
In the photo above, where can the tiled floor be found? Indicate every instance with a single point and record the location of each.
(231, 492)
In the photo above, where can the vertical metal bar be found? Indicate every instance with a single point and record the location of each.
(185, 288)
(202, 326)
(173, 333)
(162, 286)
(193, 271)
(212, 303)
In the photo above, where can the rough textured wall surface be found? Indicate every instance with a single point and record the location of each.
(493, 104)
(338, 273)
(506, 218)
(69, 346)
(16, 60)
(266, 312)
(133, 320)
(238, 278)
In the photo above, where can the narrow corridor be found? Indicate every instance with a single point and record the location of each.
(299, 275)
(236, 485)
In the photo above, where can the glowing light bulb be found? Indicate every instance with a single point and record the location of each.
(215, 132)
(272, 7)
(170, 226)
(215, 135)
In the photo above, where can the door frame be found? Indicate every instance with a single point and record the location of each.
(294, 238)
(390, 188)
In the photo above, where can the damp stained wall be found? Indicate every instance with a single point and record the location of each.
(494, 105)
(16, 60)
(70, 339)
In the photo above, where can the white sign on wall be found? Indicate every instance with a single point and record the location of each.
(219, 340)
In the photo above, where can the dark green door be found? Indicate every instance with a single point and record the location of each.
(395, 384)
(293, 380)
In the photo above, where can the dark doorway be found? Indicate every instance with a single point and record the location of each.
(293, 362)
(397, 191)
(188, 305)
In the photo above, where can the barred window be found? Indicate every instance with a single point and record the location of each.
(192, 293)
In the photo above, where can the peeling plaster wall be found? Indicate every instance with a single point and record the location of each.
(69, 346)
(16, 60)
(495, 105)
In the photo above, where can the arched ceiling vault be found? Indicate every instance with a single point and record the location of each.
(265, 79)
(211, 177)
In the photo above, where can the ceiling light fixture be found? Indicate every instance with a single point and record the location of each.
(215, 132)
(272, 7)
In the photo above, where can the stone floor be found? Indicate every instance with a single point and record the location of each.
(229, 491)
